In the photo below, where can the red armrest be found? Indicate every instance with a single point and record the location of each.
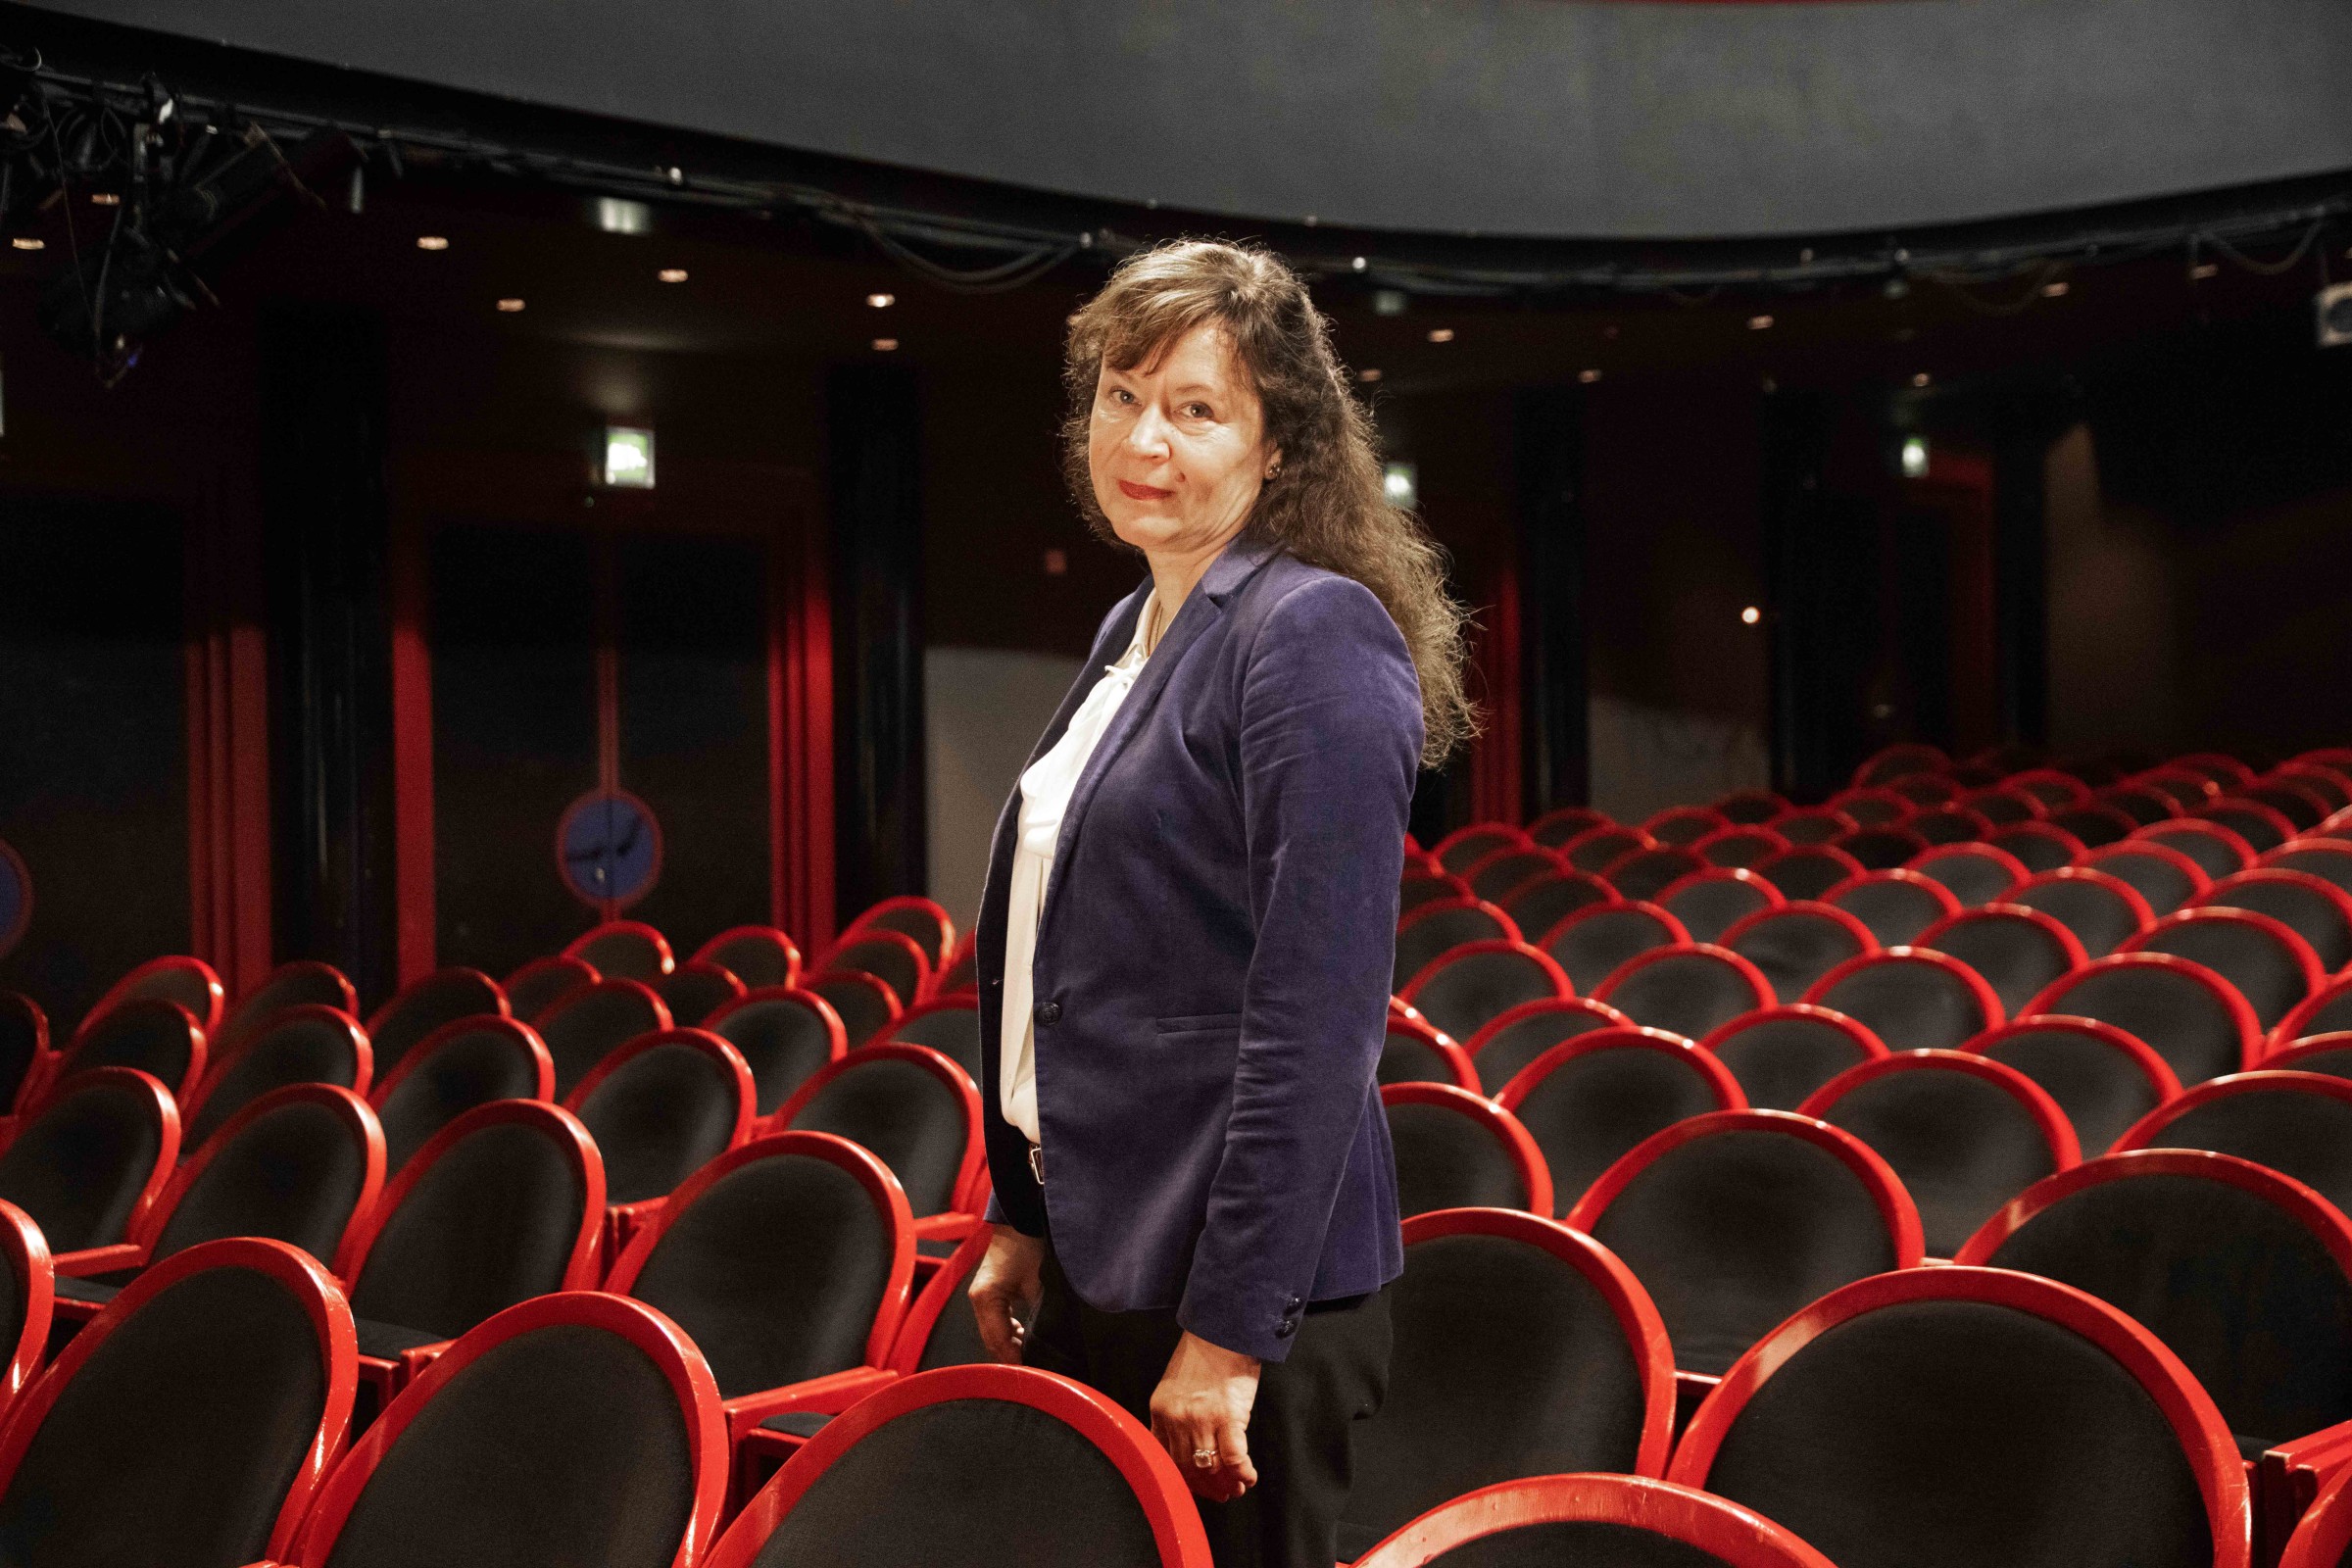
(91, 1261)
(825, 1395)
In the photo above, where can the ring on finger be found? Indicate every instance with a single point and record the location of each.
(1203, 1458)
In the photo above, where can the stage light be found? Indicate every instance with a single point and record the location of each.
(628, 457)
(616, 215)
(886, 345)
(510, 305)
(671, 274)
(2205, 269)
(1441, 334)
(1389, 301)
(1751, 615)
(432, 243)
(1758, 323)
(1401, 483)
(2057, 290)
(1915, 457)
(1370, 372)
(1920, 380)
(1587, 376)
(25, 242)
(1359, 264)
(881, 302)
(105, 198)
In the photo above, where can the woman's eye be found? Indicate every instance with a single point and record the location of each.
(1197, 410)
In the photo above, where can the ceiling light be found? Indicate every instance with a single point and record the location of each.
(2205, 269)
(1920, 380)
(1587, 376)
(1441, 334)
(510, 305)
(2057, 290)
(881, 302)
(105, 198)
(628, 457)
(886, 345)
(1915, 457)
(1758, 323)
(1389, 301)
(1359, 262)
(25, 242)
(1400, 483)
(1751, 615)
(432, 243)
(1370, 372)
(616, 215)
(671, 274)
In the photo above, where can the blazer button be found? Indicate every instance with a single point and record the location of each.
(1286, 1327)
(1048, 1014)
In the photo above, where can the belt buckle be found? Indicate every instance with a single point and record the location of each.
(1037, 1162)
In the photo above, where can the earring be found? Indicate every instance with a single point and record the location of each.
(1271, 472)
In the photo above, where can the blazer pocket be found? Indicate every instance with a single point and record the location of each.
(1199, 1023)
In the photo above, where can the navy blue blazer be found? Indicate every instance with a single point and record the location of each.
(1213, 960)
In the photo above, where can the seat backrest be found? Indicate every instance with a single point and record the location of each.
(1735, 1219)
(865, 1004)
(308, 1043)
(960, 974)
(1795, 945)
(940, 1327)
(2101, 909)
(1545, 902)
(1559, 825)
(889, 957)
(1711, 902)
(302, 983)
(1646, 874)
(1592, 943)
(950, 1027)
(1414, 1052)
(2271, 966)
(2329, 860)
(2103, 1079)
(1506, 869)
(1782, 1054)
(539, 984)
(24, 1036)
(1511, 1040)
(784, 1035)
(178, 978)
(2157, 872)
(2184, 1012)
(2297, 1123)
(1743, 846)
(1953, 1415)
(2003, 806)
(465, 1063)
(1685, 824)
(625, 950)
(97, 1154)
(787, 1258)
(1743, 808)
(2326, 1011)
(2314, 909)
(1094, 1486)
(585, 1026)
(2330, 1054)
(581, 1427)
(1973, 873)
(1435, 929)
(1458, 852)
(2244, 1274)
(502, 1205)
(661, 1106)
(189, 1423)
(1589, 1100)
(161, 1039)
(1458, 1150)
(301, 1165)
(2258, 821)
(1808, 870)
(1480, 981)
(2217, 850)
(695, 990)
(1880, 849)
(1811, 826)
(1871, 806)
(1965, 1134)
(2039, 846)
(1895, 905)
(1951, 823)
(2094, 823)
(2019, 952)
(1520, 1347)
(911, 1106)
(759, 955)
(915, 918)
(1594, 1521)
(1687, 990)
(1594, 851)
(27, 1284)
(1914, 998)
(425, 1005)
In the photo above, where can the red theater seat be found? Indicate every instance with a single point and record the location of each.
(1782, 1054)
(624, 950)
(914, 916)
(759, 955)
(1587, 1101)
(1458, 1150)
(1510, 1041)
(1914, 998)
(2104, 1079)
(2297, 1123)
(543, 982)
(1604, 1521)
(423, 1005)
(1477, 982)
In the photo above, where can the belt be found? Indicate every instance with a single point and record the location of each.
(1037, 1162)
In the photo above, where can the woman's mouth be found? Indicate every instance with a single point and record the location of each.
(1143, 492)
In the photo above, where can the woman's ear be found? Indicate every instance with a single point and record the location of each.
(1274, 462)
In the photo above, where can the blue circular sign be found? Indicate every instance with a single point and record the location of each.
(16, 898)
(609, 849)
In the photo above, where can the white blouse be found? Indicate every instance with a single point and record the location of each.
(1045, 791)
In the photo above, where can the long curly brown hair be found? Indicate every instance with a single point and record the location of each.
(1326, 503)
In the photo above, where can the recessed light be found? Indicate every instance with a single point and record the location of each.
(1587, 376)
(1370, 372)
(671, 274)
(510, 305)
(886, 345)
(1441, 334)
(2057, 290)
(432, 243)
(881, 302)
(25, 242)
(1758, 323)
(1751, 615)
(105, 198)
(2205, 269)
(1920, 380)
(1915, 457)
(1359, 262)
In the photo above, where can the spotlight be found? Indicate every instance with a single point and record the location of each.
(1400, 483)
(628, 457)
(1587, 376)
(432, 243)
(671, 274)
(616, 215)
(25, 242)
(1441, 334)
(2057, 290)
(1389, 301)
(886, 345)
(1920, 379)
(881, 302)
(2205, 269)
(1359, 264)
(510, 305)
(1915, 457)
(1370, 372)
(1758, 323)
(1751, 615)
(105, 198)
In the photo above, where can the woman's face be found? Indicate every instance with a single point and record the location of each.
(1177, 448)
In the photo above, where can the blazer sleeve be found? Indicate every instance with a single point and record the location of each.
(1330, 742)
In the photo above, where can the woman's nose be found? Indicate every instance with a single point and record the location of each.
(1149, 435)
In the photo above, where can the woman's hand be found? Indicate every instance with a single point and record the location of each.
(1200, 1414)
(1004, 1289)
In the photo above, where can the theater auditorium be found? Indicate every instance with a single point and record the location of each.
(987, 783)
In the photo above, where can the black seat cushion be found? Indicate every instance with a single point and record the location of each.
(952, 1032)
(80, 1167)
(2238, 1288)
(1973, 879)
(1539, 905)
(2154, 877)
(301, 985)
(755, 958)
(1909, 1003)
(1432, 933)
(1808, 870)
(1731, 1232)
(292, 1174)
(1465, 993)
(1446, 1160)
(1590, 1110)
(492, 1223)
(1712, 905)
(775, 1270)
(152, 1036)
(2172, 1014)
(2308, 911)
(1503, 1053)
(1688, 994)
(1596, 946)
(313, 1049)
(693, 992)
(2101, 1090)
(1646, 874)
(538, 986)
(2098, 917)
(586, 1026)
(565, 1444)
(1794, 948)
(1896, 911)
(954, 1338)
(622, 954)
(1506, 1362)
(886, 961)
(1962, 1433)
(922, 926)
(864, 1010)
(469, 1068)
(783, 1041)
(423, 1007)
(1962, 1145)
(2247, 956)
(913, 1121)
(2306, 1136)
(176, 1440)
(2016, 956)
(1409, 1059)
(1497, 875)
(933, 1487)
(657, 1117)
(1780, 1060)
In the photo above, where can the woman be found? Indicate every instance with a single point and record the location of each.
(1190, 917)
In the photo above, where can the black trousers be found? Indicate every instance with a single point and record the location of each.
(1299, 1429)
